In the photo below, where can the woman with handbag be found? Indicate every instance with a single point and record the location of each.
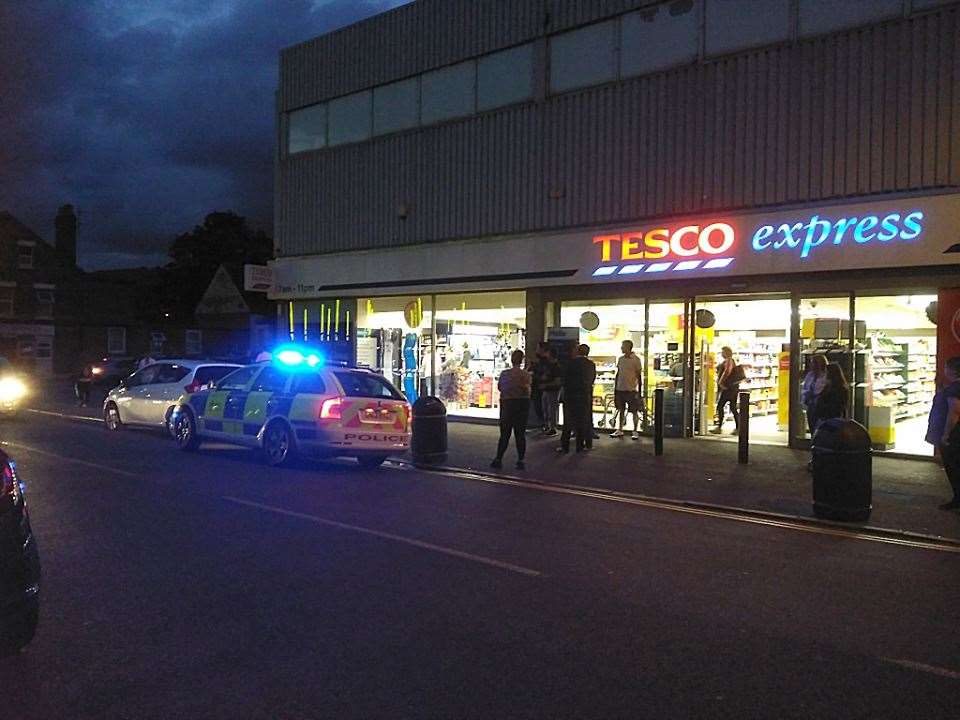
(729, 377)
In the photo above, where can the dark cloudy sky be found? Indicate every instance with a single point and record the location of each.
(145, 114)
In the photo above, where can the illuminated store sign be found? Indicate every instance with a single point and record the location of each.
(816, 231)
(714, 246)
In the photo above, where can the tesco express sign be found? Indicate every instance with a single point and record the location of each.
(719, 239)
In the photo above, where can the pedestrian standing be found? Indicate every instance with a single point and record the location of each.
(578, 380)
(536, 391)
(943, 428)
(813, 384)
(551, 381)
(833, 400)
(729, 377)
(514, 385)
(626, 389)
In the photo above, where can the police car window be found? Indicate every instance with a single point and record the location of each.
(309, 382)
(168, 373)
(211, 373)
(271, 380)
(238, 379)
(366, 385)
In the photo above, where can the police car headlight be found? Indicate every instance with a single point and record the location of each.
(12, 389)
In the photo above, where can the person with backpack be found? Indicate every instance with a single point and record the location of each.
(834, 399)
(729, 377)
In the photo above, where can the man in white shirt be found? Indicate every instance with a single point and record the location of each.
(626, 394)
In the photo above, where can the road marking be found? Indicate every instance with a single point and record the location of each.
(922, 667)
(64, 415)
(747, 516)
(390, 536)
(76, 461)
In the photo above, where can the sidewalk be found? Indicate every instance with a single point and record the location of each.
(905, 492)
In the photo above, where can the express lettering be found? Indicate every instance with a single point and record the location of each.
(685, 242)
(816, 231)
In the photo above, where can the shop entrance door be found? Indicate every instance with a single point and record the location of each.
(666, 352)
(754, 330)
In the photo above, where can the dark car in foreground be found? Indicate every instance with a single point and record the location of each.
(19, 564)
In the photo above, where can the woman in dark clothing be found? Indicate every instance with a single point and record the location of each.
(943, 429)
(834, 399)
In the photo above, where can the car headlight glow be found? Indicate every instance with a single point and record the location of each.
(12, 389)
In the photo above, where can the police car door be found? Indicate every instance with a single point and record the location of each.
(220, 414)
(262, 401)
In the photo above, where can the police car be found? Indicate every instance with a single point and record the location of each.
(296, 404)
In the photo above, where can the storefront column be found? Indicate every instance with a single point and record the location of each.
(536, 320)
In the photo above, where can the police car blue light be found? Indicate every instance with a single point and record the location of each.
(295, 357)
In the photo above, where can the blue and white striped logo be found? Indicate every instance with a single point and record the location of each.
(661, 267)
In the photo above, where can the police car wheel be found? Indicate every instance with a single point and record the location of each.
(278, 444)
(185, 432)
(371, 461)
(111, 417)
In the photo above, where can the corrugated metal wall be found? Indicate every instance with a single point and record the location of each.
(867, 111)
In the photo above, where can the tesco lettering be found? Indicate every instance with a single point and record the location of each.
(816, 231)
(685, 242)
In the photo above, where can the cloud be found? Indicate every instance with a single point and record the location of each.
(146, 114)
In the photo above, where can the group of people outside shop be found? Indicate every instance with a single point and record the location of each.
(825, 395)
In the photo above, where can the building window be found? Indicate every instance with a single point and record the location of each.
(395, 106)
(116, 341)
(819, 17)
(43, 309)
(448, 93)
(7, 293)
(25, 256)
(587, 56)
(307, 129)
(738, 24)
(660, 37)
(193, 342)
(505, 78)
(349, 118)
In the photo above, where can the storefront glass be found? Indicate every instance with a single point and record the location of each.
(394, 338)
(897, 342)
(476, 333)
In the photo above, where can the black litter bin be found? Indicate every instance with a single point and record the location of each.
(429, 442)
(842, 471)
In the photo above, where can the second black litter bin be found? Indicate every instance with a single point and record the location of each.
(429, 442)
(842, 471)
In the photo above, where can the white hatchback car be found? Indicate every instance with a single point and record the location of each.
(148, 396)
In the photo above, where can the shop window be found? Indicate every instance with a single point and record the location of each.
(448, 93)
(116, 341)
(819, 17)
(583, 57)
(476, 333)
(738, 24)
(307, 129)
(193, 342)
(25, 255)
(505, 77)
(897, 369)
(328, 324)
(43, 309)
(395, 106)
(7, 294)
(349, 118)
(660, 37)
(394, 338)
